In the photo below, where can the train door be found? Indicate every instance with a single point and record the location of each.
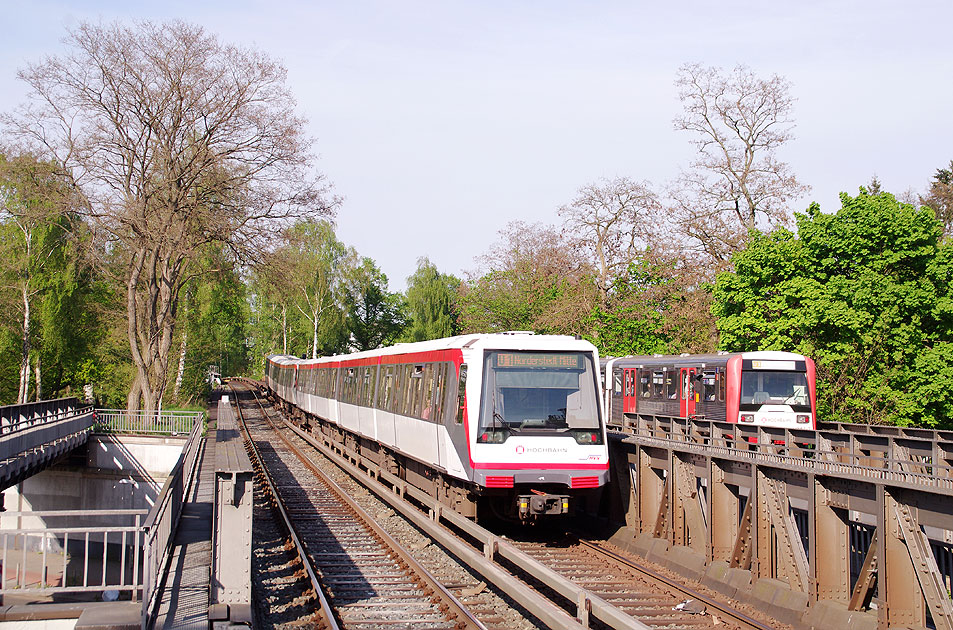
(630, 398)
(688, 392)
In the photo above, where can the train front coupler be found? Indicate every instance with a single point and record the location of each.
(541, 503)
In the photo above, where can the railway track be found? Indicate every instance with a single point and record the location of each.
(592, 586)
(652, 598)
(364, 579)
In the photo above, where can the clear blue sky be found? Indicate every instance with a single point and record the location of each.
(440, 122)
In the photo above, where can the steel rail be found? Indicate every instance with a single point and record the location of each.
(326, 611)
(546, 610)
(710, 602)
(456, 609)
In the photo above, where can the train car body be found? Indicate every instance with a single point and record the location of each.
(775, 389)
(514, 421)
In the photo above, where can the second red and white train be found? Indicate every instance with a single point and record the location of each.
(776, 389)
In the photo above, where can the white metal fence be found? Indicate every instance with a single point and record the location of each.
(147, 423)
(71, 558)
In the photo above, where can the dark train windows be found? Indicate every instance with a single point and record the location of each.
(386, 388)
(709, 385)
(645, 387)
(461, 393)
(671, 385)
(658, 383)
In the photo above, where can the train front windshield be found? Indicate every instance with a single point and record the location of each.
(769, 387)
(538, 392)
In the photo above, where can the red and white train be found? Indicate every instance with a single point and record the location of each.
(776, 389)
(511, 423)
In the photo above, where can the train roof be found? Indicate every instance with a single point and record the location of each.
(481, 341)
(704, 360)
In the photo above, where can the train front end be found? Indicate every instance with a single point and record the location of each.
(537, 437)
(776, 389)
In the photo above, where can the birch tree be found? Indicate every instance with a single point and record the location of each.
(34, 206)
(176, 141)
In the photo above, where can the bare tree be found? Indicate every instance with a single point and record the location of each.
(738, 121)
(177, 141)
(614, 221)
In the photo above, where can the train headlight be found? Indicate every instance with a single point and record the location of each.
(747, 417)
(803, 418)
(497, 436)
(587, 437)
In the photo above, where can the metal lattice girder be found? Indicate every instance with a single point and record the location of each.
(925, 567)
(742, 552)
(723, 506)
(690, 528)
(790, 559)
(864, 589)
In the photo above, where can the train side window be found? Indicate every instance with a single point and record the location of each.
(371, 385)
(440, 390)
(383, 394)
(709, 385)
(407, 387)
(617, 381)
(686, 384)
(671, 385)
(461, 392)
(658, 382)
(427, 392)
(416, 386)
(722, 384)
(645, 389)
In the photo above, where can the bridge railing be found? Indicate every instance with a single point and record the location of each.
(147, 423)
(859, 518)
(162, 522)
(14, 418)
(71, 557)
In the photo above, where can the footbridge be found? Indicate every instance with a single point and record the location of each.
(33, 435)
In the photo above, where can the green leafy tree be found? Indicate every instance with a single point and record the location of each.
(41, 263)
(374, 316)
(215, 331)
(431, 303)
(316, 265)
(867, 293)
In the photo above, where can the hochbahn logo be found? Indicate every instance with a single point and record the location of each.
(540, 449)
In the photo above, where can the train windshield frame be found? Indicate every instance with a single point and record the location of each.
(537, 392)
(775, 387)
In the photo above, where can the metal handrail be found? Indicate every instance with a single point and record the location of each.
(16, 418)
(162, 423)
(49, 565)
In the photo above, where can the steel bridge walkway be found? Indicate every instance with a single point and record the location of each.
(33, 435)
